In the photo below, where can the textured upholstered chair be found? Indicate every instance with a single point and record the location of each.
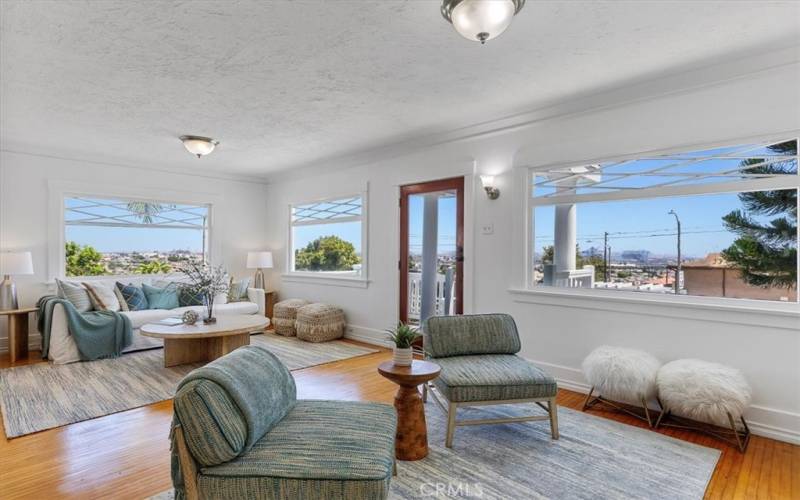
(240, 433)
(477, 354)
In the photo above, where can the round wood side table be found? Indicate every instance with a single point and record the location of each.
(411, 442)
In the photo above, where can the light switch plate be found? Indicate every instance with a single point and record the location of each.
(487, 229)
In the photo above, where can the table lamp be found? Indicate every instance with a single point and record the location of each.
(12, 263)
(259, 261)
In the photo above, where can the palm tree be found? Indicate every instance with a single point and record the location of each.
(147, 210)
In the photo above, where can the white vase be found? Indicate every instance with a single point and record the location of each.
(403, 356)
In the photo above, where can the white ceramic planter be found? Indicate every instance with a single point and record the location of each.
(403, 356)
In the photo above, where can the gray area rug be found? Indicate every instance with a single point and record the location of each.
(42, 396)
(594, 458)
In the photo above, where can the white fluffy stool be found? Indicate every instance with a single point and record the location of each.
(619, 374)
(705, 392)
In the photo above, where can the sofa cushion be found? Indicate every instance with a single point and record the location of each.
(187, 296)
(470, 334)
(302, 457)
(133, 295)
(257, 382)
(139, 318)
(75, 293)
(161, 298)
(492, 377)
(222, 309)
(237, 291)
(213, 426)
(236, 308)
(103, 298)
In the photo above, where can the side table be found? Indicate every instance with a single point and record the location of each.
(411, 442)
(18, 331)
(270, 298)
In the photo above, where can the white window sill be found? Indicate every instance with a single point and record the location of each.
(325, 279)
(736, 311)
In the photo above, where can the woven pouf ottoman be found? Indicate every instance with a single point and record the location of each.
(705, 393)
(320, 323)
(621, 375)
(285, 315)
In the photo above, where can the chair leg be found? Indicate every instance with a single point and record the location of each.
(394, 468)
(588, 397)
(451, 424)
(425, 392)
(647, 412)
(553, 410)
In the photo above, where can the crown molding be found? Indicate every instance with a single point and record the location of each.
(672, 82)
(27, 150)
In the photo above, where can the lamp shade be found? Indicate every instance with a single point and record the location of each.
(256, 260)
(16, 263)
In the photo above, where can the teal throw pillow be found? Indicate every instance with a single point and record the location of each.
(133, 296)
(161, 298)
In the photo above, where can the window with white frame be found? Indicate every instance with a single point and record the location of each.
(719, 222)
(113, 236)
(328, 237)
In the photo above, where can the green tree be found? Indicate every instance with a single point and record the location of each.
(154, 267)
(83, 260)
(766, 251)
(146, 210)
(326, 253)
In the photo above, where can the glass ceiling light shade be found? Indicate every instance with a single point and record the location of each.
(199, 146)
(480, 20)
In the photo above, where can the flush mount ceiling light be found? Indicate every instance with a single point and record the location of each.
(199, 146)
(480, 20)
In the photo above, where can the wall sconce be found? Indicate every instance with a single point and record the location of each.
(488, 185)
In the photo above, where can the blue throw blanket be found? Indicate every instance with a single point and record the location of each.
(98, 334)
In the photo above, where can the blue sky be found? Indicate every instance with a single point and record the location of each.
(112, 239)
(701, 221)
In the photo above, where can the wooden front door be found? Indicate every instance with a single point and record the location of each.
(445, 237)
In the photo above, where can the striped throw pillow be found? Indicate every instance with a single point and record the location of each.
(76, 294)
(103, 298)
(238, 290)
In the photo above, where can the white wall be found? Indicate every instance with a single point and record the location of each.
(558, 331)
(239, 217)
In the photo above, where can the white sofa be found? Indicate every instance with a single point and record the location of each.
(63, 349)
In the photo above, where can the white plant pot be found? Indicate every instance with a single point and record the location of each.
(403, 356)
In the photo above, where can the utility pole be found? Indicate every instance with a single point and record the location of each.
(605, 257)
(678, 267)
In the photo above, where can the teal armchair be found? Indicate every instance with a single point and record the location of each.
(239, 432)
(480, 366)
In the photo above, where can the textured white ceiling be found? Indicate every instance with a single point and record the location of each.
(285, 84)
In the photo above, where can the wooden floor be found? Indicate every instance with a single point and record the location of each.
(126, 455)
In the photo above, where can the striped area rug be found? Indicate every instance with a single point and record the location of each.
(595, 458)
(42, 396)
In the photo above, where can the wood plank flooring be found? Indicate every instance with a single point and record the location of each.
(126, 455)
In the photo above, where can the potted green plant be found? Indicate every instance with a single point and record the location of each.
(403, 337)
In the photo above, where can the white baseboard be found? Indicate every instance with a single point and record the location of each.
(367, 335)
(767, 422)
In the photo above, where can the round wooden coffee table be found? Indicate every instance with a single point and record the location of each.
(200, 342)
(411, 442)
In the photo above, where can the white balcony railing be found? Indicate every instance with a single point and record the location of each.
(575, 278)
(445, 300)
